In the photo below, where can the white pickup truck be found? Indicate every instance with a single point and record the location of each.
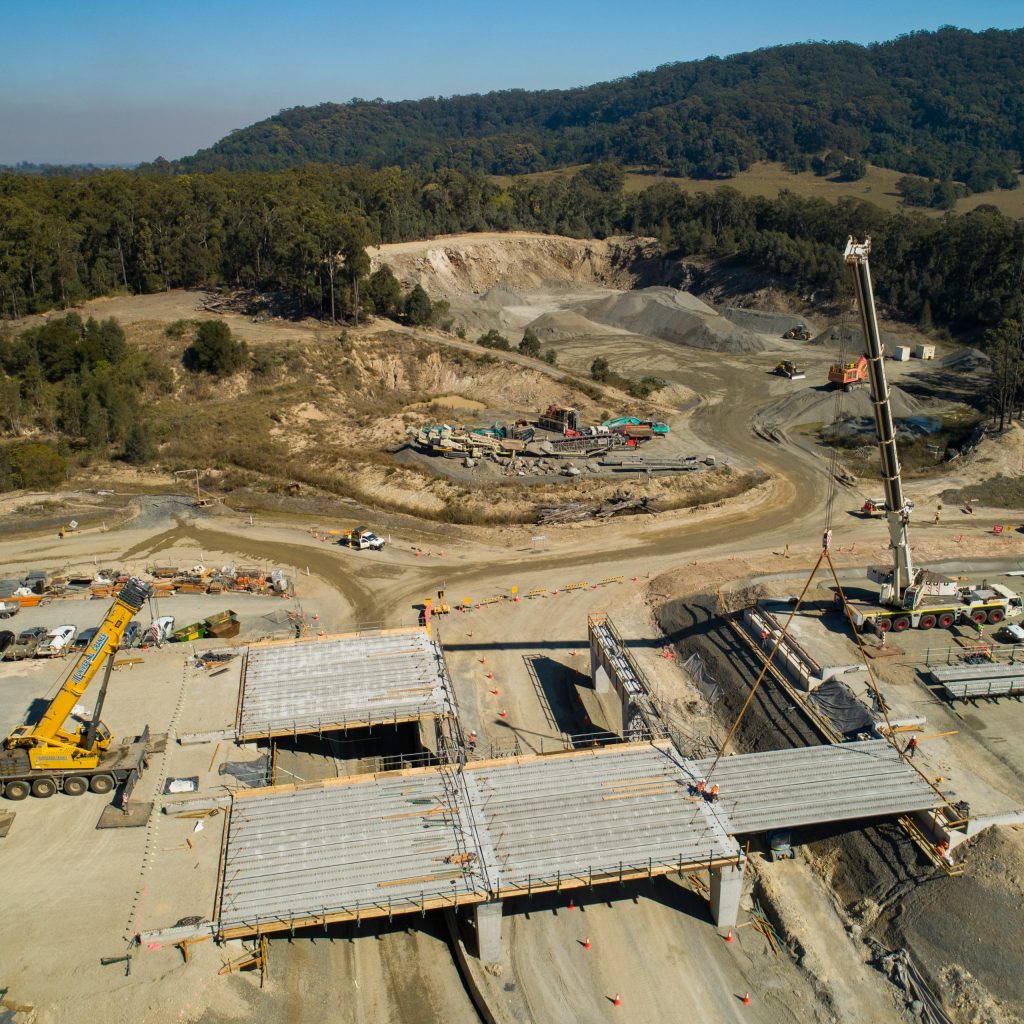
(362, 538)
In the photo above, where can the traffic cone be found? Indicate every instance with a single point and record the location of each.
(495, 691)
(503, 713)
(483, 660)
(616, 1001)
(586, 943)
(572, 904)
(746, 999)
(728, 937)
(573, 653)
(490, 675)
(316, 616)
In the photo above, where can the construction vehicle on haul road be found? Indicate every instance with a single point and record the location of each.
(909, 597)
(49, 756)
(845, 375)
(787, 368)
(362, 538)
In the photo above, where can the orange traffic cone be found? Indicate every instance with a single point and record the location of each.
(316, 616)
(483, 660)
(616, 1001)
(728, 937)
(490, 675)
(586, 943)
(495, 691)
(746, 999)
(573, 653)
(503, 713)
(572, 904)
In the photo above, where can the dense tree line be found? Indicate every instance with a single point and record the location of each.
(946, 105)
(80, 379)
(302, 234)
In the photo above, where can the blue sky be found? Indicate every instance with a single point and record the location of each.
(108, 81)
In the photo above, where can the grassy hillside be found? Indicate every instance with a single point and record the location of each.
(878, 186)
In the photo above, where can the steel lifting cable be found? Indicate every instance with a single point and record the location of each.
(764, 670)
(845, 301)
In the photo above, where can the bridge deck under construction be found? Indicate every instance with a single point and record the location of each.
(814, 785)
(400, 842)
(356, 681)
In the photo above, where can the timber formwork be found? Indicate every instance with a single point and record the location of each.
(780, 789)
(427, 838)
(342, 682)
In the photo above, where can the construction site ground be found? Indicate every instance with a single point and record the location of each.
(652, 943)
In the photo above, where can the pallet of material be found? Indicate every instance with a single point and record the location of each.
(971, 682)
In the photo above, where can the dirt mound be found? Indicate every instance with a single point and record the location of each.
(967, 360)
(674, 316)
(971, 922)
(565, 325)
(854, 338)
(761, 321)
(460, 265)
(817, 405)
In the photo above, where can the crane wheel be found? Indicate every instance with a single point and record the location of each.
(979, 617)
(102, 783)
(17, 790)
(76, 785)
(43, 788)
(996, 615)
(883, 625)
(900, 624)
(927, 622)
(946, 620)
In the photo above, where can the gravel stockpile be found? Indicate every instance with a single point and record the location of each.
(674, 316)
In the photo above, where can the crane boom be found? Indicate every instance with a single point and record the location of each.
(49, 745)
(897, 511)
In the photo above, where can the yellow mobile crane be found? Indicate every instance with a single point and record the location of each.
(46, 757)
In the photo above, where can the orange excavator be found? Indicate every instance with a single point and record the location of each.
(845, 375)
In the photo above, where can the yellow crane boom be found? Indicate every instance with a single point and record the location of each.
(48, 744)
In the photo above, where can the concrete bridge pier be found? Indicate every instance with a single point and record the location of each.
(726, 889)
(487, 920)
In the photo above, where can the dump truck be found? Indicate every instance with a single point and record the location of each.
(69, 753)
(362, 538)
(787, 368)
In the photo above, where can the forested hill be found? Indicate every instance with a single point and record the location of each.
(945, 105)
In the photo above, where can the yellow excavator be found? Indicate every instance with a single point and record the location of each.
(46, 757)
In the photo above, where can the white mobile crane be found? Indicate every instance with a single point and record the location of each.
(909, 596)
(48, 756)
